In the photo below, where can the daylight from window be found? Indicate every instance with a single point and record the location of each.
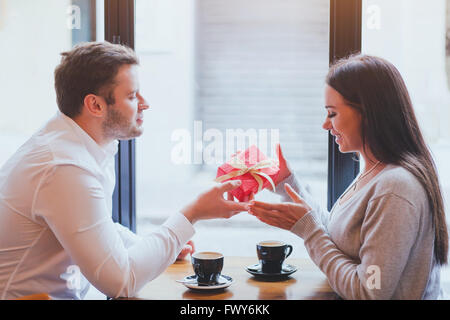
(221, 76)
(414, 35)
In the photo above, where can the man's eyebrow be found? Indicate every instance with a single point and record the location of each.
(330, 107)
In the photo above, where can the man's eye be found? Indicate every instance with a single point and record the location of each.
(331, 115)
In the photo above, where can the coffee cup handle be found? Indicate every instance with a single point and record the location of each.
(289, 247)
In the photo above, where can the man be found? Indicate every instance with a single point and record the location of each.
(56, 190)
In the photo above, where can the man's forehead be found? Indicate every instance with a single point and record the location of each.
(127, 75)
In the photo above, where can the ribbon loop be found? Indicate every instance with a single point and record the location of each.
(253, 170)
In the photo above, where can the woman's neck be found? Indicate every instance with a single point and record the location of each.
(369, 161)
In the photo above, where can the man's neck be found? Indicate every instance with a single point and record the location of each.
(94, 130)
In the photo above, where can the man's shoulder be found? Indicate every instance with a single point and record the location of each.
(64, 148)
(53, 144)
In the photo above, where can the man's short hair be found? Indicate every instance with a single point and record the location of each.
(89, 68)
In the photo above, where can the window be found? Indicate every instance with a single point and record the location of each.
(36, 33)
(447, 43)
(414, 37)
(237, 73)
(33, 34)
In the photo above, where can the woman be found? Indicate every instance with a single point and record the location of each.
(386, 237)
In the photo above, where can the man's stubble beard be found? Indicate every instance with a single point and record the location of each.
(117, 127)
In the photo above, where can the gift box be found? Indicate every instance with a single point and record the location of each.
(253, 168)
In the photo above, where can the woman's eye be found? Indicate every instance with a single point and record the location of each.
(331, 115)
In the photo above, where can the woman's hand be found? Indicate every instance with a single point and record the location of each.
(284, 167)
(281, 215)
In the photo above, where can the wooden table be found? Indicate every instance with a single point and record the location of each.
(308, 283)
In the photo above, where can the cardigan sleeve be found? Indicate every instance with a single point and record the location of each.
(388, 233)
(301, 190)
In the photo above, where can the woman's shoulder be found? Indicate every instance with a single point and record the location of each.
(398, 181)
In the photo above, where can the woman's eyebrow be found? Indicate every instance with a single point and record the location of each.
(330, 107)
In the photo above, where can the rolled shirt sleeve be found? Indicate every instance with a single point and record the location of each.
(115, 260)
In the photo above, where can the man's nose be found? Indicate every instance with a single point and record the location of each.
(143, 104)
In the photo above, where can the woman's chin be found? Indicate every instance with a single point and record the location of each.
(343, 149)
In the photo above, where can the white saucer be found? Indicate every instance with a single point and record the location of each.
(191, 283)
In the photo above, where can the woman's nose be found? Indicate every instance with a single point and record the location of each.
(327, 124)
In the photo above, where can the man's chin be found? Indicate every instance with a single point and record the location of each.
(131, 135)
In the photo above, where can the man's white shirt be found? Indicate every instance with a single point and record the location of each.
(56, 220)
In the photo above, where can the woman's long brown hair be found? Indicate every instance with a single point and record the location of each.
(376, 89)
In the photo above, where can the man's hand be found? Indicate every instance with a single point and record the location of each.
(187, 249)
(246, 198)
(211, 204)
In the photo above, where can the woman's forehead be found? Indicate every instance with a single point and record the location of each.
(333, 99)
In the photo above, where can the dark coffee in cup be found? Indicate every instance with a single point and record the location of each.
(207, 267)
(271, 255)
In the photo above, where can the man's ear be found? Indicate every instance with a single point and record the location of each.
(95, 105)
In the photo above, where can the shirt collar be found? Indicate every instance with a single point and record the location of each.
(100, 154)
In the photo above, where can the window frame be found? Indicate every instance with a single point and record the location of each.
(119, 28)
(345, 38)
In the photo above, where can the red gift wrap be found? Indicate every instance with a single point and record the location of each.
(253, 168)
